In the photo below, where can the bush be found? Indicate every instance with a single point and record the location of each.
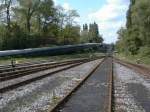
(144, 51)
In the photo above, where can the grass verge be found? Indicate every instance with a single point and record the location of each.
(7, 60)
(138, 59)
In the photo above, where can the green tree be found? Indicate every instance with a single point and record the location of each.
(94, 35)
(61, 15)
(68, 26)
(48, 13)
(35, 23)
(27, 9)
(85, 34)
(71, 34)
(135, 37)
(5, 9)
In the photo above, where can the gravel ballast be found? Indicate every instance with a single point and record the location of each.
(93, 95)
(131, 90)
(43, 94)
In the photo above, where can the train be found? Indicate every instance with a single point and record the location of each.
(59, 50)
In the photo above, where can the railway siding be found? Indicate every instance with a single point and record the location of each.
(43, 94)
(102, 85)
(93, 95)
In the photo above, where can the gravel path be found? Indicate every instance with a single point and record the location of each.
(131, 90)
(42, 95)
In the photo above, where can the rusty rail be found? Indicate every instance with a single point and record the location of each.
(66, 98)
(137, 68)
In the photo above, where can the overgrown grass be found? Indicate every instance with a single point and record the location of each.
(135, 58)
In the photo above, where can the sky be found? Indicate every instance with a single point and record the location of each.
(110, 15)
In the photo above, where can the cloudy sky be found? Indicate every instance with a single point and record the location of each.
(109, 14)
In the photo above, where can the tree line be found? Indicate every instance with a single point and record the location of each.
(38, 23)
(134, 39)
(90, 33)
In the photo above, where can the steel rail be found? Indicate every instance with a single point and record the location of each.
(110, 105)
(22, 83)
(68, 96)
(22, 73)
(35, 65)
(28, 68)
(138, 68)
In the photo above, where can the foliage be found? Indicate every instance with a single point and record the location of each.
(135, 38)
(91, 34)
(71, 34)
(36, 23)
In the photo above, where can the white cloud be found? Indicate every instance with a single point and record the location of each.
(66, 6)
(110, 18)
(114, 1)
(55, 1)
(108, 25)
(108, 12)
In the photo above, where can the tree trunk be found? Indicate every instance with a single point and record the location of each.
(8, 13)
(28, 21)
(28, 25)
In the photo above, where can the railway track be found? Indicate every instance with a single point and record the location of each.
(138, 68)
(27, 65)
(34, 68)
(22, 64)
(131, 87)
(92, 94)
(97, 91)
(19, 78)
